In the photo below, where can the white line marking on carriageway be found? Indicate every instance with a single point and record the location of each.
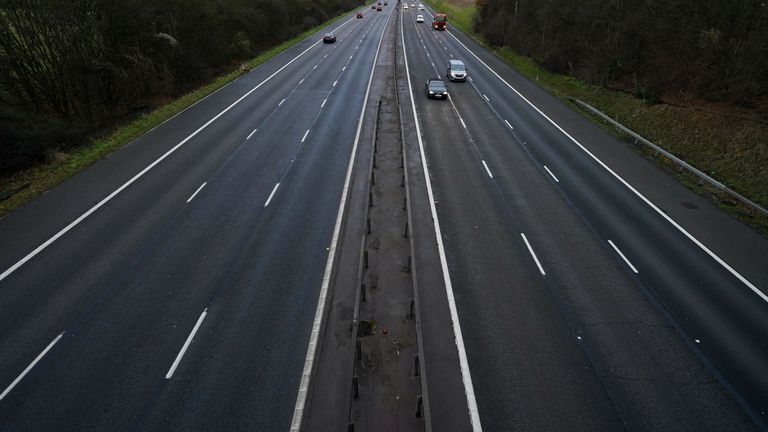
(272, 194)
(117, 191)
(31, 365)
(309, 360)
(486, 169)
(305, 135)
(486, 98)
(466, 377)
(186, 345)
(281, 102)
(623, 257)
(191, 197)
(550, 173)
(533, 254)
(251, 134)
(510, 126)
(637, 193)
(324, 101)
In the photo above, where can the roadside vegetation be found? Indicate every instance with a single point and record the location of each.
(81, 81)
(689, 76)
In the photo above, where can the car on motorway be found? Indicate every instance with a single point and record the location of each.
(385, 3)
(373, 6)
(359, 14)
(405, 6)
(456, 71)
(413, 5)
(421, 7)
(329, 38)
(378, 8)
(436, 88)
(419, 18)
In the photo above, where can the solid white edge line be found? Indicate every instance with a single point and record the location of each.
(486, 98)
(301, 398)
(550, 173)
(623, 257)
(117, 191)
(462, 122)
(486, 169)
(274, 189)
(305, 135)
(637, 193)
(469, 389)
(31, 365)
(533, 254)
(251, 134)
(191, 197)
(186, 345)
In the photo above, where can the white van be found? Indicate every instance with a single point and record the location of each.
(456, 71)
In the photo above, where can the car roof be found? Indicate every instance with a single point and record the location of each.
(457, 62)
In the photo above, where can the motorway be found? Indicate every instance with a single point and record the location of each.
(174, 285)
(583, 305)
(185, 300)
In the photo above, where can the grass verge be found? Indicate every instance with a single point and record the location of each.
(726, 142)
(34, 181)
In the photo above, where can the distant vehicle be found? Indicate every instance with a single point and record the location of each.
(413, 5)
(378, 8)
(419, 18)
(456, 71)
(385, 3)
(421, 7)
(440, 21)
(405, 6)
(373, 6)
(359, 14)
(435, 88)
(329, 38)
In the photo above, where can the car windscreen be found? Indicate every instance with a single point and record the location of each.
(437, 86)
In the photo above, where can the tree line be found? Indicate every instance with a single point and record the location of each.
(711, 49)
(72, 68)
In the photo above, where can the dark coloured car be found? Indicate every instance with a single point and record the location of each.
(435, 88)
(359, 14)
(373, 6)
(329, 38)
(378, 8)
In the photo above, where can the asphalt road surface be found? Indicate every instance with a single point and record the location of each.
(185, 302)
(584, 303)
(174, 285)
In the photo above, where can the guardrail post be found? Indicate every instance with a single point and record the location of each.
(416, 366)
(362, 293)
(356, 389)
(419, 405)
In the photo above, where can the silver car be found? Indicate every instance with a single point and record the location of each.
(457, 71)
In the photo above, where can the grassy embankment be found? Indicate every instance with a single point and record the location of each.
(34, 181)
(726, 142)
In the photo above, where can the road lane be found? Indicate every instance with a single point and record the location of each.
(559, 231)
(132, 281)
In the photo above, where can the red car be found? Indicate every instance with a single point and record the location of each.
(359, 14)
